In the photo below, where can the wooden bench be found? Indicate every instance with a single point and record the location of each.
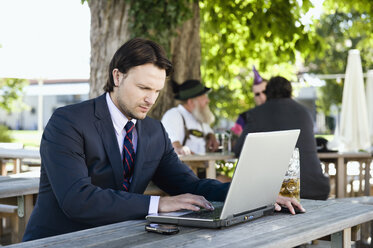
(19, 190)
(16, 162)
(8, 223)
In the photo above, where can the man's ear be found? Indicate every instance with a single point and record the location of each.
(191, 103)
(116, 75)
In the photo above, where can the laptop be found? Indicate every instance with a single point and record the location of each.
(255, 185)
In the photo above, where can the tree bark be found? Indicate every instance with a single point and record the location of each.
(109, 30)
(186, 59)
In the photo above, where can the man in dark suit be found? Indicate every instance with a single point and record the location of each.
(98, 156)
(280, 112)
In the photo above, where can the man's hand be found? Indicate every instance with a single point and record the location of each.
(211, 143)
(185, 201)
(181, 150)
(290, 203)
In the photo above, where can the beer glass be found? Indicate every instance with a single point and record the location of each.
(291, 184)
(226, 143)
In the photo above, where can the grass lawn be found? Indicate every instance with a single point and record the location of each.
(29, 138)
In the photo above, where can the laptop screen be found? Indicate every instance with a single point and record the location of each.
(260, 171)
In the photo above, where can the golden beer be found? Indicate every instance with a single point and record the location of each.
(290, 188)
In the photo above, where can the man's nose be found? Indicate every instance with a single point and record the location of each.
(151, 98)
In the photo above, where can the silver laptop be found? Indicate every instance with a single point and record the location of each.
(254, 188)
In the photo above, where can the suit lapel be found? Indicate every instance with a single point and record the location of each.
(105, 129)
(142, 139)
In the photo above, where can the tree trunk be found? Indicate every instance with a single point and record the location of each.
(109, 30)
(186, 59)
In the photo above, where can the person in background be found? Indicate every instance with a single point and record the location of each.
(188, 124)
(260, 97)
(280, 112)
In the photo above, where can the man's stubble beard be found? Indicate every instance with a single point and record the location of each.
(127, 112)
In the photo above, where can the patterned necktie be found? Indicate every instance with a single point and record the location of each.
(128, 155)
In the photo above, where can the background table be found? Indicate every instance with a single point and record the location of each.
(19, 191)
(206, 161)
(278, 230)
(17, 155)
(340, 160)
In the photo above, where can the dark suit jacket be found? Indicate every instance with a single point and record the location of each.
(82, 173)
(282, 114)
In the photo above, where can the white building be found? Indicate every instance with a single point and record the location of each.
(42, 98)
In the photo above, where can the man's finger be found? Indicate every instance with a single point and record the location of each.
(197, 200)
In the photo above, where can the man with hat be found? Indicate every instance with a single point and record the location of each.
(259, 87)
(260, 97)
(188, 124)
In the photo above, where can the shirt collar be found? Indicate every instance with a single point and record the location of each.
(183, 109)
(118, 118)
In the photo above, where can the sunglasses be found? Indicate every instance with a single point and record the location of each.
(258, 93)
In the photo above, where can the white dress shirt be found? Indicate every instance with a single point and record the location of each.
(172, 121)
(119, 121)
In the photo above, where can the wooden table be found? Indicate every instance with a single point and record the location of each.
(278, 230)
(17, 155)
(340, 160)
(367, 228)
(19, 191)
(206, 161)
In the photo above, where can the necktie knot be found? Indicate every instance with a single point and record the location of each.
(129, 127)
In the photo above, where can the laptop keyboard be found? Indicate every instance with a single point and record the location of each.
(207, 214)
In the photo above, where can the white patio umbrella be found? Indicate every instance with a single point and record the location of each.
(354, 129)
(369, 95)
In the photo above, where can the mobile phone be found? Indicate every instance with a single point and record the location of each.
(162, 228)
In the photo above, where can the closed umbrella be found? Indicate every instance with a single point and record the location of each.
(369, 95)
(354, 129)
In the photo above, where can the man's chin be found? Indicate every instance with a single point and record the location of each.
(140, 116)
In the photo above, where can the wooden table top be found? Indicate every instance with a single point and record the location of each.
(27, 153)
(19, 153)
(18, 186)
(206, 157)
(336, 155)
(278, 230)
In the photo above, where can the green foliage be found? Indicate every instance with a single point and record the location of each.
(4, 134)
(344, 27)
(158, 20)
(226, 168)
(238, 34)
(362, 6)
(11, 92)
(329, 94)
(29, 138)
